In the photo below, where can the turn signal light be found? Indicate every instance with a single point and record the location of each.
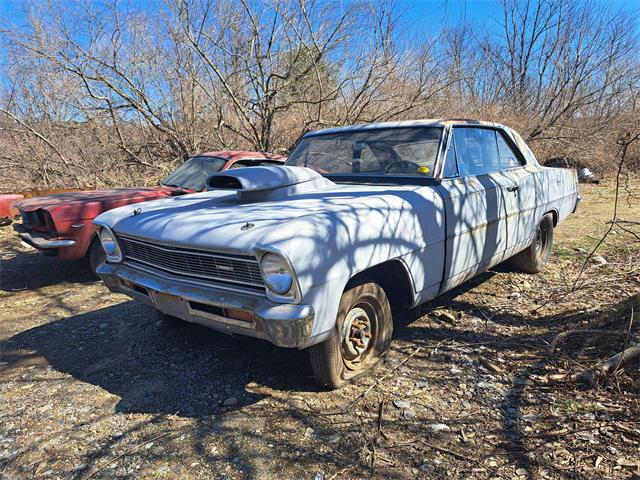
(239, 314)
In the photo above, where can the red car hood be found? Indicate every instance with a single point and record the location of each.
(89, 204)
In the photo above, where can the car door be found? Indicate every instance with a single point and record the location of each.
(473, 190)
(518, 182)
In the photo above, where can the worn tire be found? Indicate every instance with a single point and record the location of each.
(330, 360)
(95, 256)
(536, 255)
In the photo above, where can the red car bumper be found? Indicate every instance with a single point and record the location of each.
(41, 241)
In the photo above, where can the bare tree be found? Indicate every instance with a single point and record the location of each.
(560, 63)
(108, 93)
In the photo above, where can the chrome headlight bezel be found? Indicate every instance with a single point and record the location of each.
(268, 260)
(109, 244)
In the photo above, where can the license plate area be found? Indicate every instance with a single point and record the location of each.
(218, 314)
(188, 309)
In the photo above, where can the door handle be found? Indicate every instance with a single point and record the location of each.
(513, 188)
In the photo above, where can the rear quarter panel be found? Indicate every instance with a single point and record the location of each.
(556, 191)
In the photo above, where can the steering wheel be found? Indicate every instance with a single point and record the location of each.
(408, 164)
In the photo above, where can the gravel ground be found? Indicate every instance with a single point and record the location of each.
(93, 386)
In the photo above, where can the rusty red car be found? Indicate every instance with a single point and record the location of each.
(60, 224)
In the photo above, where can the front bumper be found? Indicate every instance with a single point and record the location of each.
(284, 325)
(38, 240)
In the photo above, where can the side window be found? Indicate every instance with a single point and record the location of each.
(477, 150)
(508, 158)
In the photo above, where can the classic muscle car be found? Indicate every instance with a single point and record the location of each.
(312, 254)
(60, 224)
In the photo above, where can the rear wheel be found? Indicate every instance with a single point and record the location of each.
(536, 256)
(96, 256)
(362, 334)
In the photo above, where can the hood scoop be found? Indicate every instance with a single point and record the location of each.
(267, 183)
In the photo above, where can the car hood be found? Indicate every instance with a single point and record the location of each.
(88, 204)
(267, 213)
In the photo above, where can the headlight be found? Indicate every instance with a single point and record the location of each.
(110, 245)
(276, 273)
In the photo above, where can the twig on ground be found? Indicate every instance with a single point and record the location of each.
(624, 229)
(614, 363)
(372, 386)
(609, 367)
(626, 340)
(491, 367)
(380, 415)
(381, 379)
(459, 456)
(128, 452)
(340, 472)
(562, 336)
(630, 222)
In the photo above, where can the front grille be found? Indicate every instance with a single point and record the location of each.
(222, 267)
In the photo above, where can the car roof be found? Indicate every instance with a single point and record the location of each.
(430, 122)
(241, 155)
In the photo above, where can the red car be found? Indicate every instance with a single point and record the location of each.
(60, 224)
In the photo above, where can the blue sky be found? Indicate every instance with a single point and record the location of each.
(484, 12)
(418, 15)
(416, 10)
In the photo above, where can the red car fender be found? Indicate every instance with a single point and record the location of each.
(82, 231)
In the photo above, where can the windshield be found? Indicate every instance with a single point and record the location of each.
(191, 175)
(380, 151)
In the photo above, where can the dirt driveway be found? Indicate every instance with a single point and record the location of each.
(92, 386)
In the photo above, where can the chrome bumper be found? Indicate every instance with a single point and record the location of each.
(39, 241)
(284, 325)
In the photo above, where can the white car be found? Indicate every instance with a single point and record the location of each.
(311, 254)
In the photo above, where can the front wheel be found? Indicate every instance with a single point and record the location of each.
(536, 256)
(362, 334)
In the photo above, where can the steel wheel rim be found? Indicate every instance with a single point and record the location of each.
(359, 332)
